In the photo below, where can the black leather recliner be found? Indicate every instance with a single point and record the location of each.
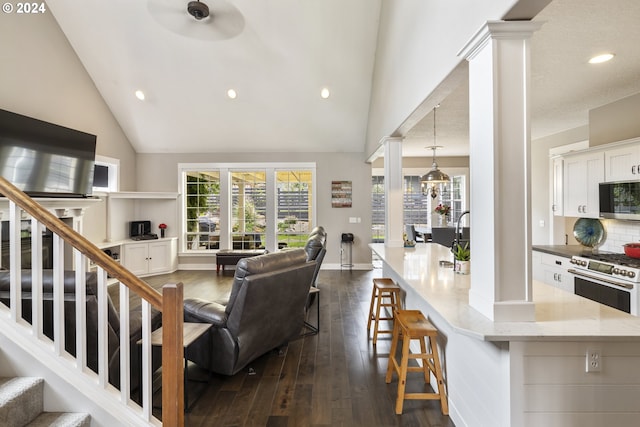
(266, 309)
(316, 248)
(113, 330)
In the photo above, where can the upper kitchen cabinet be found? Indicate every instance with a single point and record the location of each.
(623, 163)
(582, 174)
(557, 192)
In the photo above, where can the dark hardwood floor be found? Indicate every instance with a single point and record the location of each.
(334, 378)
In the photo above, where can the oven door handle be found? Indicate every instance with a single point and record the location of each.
(611, 282)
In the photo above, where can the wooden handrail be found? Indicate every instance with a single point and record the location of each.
(170, 302)
(81, 243)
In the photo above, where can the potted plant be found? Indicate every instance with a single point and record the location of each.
(462, 256)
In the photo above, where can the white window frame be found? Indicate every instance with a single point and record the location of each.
(451, 171)
(225, 169)
(114, 174)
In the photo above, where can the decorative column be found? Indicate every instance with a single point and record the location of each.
(393, 192)
(500, 138)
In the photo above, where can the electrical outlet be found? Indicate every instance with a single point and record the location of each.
(594, 360)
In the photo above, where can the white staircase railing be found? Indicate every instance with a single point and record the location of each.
(119, 403)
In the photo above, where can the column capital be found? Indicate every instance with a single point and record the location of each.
(505, 30)
(386, 139)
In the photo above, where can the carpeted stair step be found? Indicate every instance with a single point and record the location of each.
(21, 404)
(61, 419)
(21, 400)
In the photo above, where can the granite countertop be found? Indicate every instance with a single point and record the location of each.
(559, 315)
(563, 250)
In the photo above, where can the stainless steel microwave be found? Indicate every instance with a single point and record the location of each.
(620, 200)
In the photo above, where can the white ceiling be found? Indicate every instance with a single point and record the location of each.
(285, 53)
(279, 54)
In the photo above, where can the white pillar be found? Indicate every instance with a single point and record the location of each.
(500, 137)
(393, 193)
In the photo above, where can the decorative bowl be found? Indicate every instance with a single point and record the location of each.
(588, 232)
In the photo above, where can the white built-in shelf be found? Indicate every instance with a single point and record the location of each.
(143, 195)
(60, 205)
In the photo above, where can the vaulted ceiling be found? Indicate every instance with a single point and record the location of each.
(278, 55)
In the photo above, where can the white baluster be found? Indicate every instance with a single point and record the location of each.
(36, 278)
(103, 321)
(58, 294)
(15, 262)
(125, 355)
(81, 310)
(147, 363)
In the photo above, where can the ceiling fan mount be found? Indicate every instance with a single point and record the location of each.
(198, 10)
(217, 20)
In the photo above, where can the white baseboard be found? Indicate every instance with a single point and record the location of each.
(209, 266)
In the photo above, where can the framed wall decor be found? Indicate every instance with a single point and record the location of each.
(341, 194)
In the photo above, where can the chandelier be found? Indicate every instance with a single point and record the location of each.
(435, 176)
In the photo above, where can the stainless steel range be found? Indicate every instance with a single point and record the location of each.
(608, 278)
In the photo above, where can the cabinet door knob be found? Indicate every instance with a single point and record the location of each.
(633, 169)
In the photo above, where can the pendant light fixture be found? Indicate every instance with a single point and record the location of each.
(434, 176)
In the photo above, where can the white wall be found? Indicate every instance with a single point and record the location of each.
(59, 396)
(418, 42)
(616, 121)
(42, 77)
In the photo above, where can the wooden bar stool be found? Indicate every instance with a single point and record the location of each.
(412, 325)
(383, 289)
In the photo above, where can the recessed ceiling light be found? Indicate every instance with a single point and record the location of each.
(232, 94)
(598, 59)
(140, 95)
(324, 93)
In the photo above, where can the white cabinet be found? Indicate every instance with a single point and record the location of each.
(557, 193)
(582, 174)
(150, 257)
(552, 270)
(623, 163)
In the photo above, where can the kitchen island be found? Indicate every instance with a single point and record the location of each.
(523, 373)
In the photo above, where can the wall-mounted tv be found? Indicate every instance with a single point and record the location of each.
(46, 160)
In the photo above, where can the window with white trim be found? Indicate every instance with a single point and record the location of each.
(246, 205)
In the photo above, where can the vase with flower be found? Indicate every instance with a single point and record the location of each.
(443, 211)
(162, 227)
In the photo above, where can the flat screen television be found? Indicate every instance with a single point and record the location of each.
(46, 160)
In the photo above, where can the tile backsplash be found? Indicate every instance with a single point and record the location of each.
(617, 233)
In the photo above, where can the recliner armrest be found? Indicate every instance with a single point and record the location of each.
(202, 311)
